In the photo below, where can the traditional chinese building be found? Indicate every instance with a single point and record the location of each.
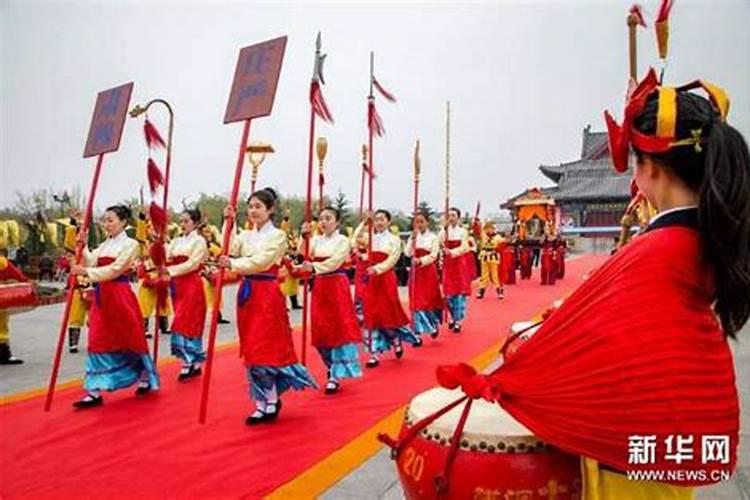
(588, 193)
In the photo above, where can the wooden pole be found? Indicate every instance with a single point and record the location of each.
(226, 239)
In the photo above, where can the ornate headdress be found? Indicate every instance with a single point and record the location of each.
(621, 137)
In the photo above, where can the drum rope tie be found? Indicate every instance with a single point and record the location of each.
(512, 338)
(396, 445)
(441, 482)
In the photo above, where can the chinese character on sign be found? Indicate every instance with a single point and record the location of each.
(104, 134)
(680, 449)
(715, 449)
(642, 450)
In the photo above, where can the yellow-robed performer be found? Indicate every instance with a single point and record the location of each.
(489, 259)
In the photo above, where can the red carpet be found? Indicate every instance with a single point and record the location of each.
(155, 447)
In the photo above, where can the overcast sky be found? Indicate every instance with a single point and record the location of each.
(524, 78)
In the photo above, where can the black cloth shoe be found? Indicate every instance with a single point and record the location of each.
(480, 293)
(74, 335)
(419, 342)
(372, 363)
(258, 417)
(164, 325)
(271, 416)
(89, 401)
(223, 321)
(142, 390)
(190, 373)
(500, 293)
(332, 387)
(434, 334)
(295, 302)
(399, 352)
(7, 358)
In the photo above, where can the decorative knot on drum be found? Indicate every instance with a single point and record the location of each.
(474, 385)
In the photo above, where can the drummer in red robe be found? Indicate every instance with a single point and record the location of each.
(334, 326)
(386, 323)
(508, 260)
(525, 257)
(262, 317)
(185, 257)
(639, 354)
(549, 262)
(424, 284)
(456, 283)
(560, 250)
(117, 351)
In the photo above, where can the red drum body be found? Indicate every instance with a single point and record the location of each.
(17, 297)
(498, 458)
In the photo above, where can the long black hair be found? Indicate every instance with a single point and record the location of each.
(718, 169)
(194, 214)
(267, 196)
(121, 211)
(335, 211)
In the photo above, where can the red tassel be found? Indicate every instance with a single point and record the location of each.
(153, 138)
(373, 120)
(158, 254)
(158, 217)
(387, 95)
(637, 11)
(664, 9)
(155, 177)
(318, 103)
(321, 180)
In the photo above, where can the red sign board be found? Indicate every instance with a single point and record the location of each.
(255, 80)
(108, 120)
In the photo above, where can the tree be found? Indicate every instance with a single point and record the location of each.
(341, 203)
(425, 208)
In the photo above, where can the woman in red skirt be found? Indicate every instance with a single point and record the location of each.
(117, 351)
(185, 257)
(456, 283)
(425, 297)
(386, 322)
(335, 329)
(262, 318)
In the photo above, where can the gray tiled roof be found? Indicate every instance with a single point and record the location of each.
(595, 145)
(588, 179)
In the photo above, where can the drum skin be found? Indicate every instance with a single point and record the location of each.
(483, 474)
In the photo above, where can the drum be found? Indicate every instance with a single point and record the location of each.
(498, 457)
(517, 340)
(17, 297)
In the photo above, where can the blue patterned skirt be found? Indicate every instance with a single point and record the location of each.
(457, 307)
(189, 350)
(109, 371)
(383, 339)
(263, 379)
(342, 361)
(427, 321)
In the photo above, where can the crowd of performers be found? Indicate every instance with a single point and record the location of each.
(268, 264)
